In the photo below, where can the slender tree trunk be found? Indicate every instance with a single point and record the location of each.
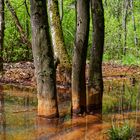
(79, 58)
(27, 28)
(134, 24)
(43, 60)
(125, 26)
(95, 66)
(18, 25)
(57, 34)
(1, 33)
(61, 10)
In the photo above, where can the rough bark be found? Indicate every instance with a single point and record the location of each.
(43, 60)
(57, 34)
(23, 35)
(95, 91)
(79, 58)
(1, 32)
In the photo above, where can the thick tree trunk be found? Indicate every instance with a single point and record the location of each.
(1, 33)
(79, 58)
(95, 66)
(57, 34)
(43, 60)
(23, 36)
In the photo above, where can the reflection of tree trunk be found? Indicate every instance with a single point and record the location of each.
(1, 33)
(49, 126)
(137, 118)
(18, 25)
(79, 58)
(95, 66)
(134, 25)
(2, 114)
(43, 60)
(124, 25)
(57, 34)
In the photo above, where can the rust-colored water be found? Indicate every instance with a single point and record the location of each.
(18, 119)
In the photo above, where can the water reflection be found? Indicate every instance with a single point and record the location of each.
(18, 111)
(82, 128)
(2, 115)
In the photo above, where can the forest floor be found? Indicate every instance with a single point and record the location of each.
(86, 127)
(23, 73)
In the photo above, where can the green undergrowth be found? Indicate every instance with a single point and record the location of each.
(120, 132)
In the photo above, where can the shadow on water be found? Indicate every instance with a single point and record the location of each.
(19, 120)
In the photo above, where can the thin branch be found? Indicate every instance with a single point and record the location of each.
(26, 6)
(18, 25)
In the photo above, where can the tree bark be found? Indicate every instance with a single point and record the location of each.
(27, 27)
(79, 58)
(134, 24)
(125, 26)
(1, 33)
(18, 25)
(95, 91)
(57, 34)
(43, 60)
(61, 10)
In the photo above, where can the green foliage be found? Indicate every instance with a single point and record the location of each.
(123, 132)
(68, 25)
(114, 32)
(14, 49)
(130, 59)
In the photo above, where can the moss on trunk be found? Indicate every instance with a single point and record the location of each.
(57, 34)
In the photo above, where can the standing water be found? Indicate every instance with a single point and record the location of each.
(19, 120)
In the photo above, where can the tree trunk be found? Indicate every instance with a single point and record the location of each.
(1, 33)
(18, 25)
(125, 26)
(61, 10)
(43, 60)
(27, 28)
(134, 24)
(57, 34)
(95, 91)
(79, 58)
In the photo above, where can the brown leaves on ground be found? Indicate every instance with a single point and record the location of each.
(23, 73)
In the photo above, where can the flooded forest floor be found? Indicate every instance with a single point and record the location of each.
(20, 122)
